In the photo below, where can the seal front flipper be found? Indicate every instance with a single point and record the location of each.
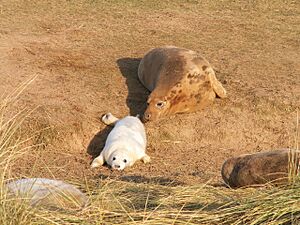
(146, 159)
(99, 161)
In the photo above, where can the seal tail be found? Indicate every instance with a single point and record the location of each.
(109, 119)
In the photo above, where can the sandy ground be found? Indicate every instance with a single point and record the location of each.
(85, 55)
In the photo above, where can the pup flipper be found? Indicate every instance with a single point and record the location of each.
(146, 159)
(109, 119)
(99, 161)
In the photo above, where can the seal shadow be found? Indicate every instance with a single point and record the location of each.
(137, 93)
(97, 143)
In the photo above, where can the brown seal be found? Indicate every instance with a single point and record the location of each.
(180, 80)
(259, 168)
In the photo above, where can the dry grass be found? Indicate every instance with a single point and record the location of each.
(12, 147)
(294, 160)
(127, 203)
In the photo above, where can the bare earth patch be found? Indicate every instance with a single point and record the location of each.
(86, 56)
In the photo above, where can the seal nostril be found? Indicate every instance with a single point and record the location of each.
(117, 166)
(146, 117)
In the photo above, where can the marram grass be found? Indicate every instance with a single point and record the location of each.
(12, 146)
(127, 203)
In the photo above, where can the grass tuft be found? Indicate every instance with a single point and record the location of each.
(12, 146)
(294, 160)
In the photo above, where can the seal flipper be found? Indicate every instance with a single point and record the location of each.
(99, 161)
(217, 86)
(146, 158)
(109, 119)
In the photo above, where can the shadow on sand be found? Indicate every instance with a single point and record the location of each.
(97, 143)
(137, 93)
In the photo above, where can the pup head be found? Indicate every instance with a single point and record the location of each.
(119, 160)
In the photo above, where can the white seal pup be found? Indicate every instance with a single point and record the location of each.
(125, 144)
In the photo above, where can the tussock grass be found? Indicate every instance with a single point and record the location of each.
(294, 160)
(126, 203)
(12, 146)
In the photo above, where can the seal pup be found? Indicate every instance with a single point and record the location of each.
(125, 144)
(180, 80)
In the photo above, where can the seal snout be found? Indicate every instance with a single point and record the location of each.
(117, 167)
(146, 117)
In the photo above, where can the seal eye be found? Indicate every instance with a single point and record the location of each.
(114, 158)
(160, 104)
(125, 161)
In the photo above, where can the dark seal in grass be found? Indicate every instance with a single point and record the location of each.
(258, 168)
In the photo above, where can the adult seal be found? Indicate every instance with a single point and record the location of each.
(180, 80)
(259, 168)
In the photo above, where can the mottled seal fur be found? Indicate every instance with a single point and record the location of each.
(257, 169)
(180, 80)
(125, 144)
